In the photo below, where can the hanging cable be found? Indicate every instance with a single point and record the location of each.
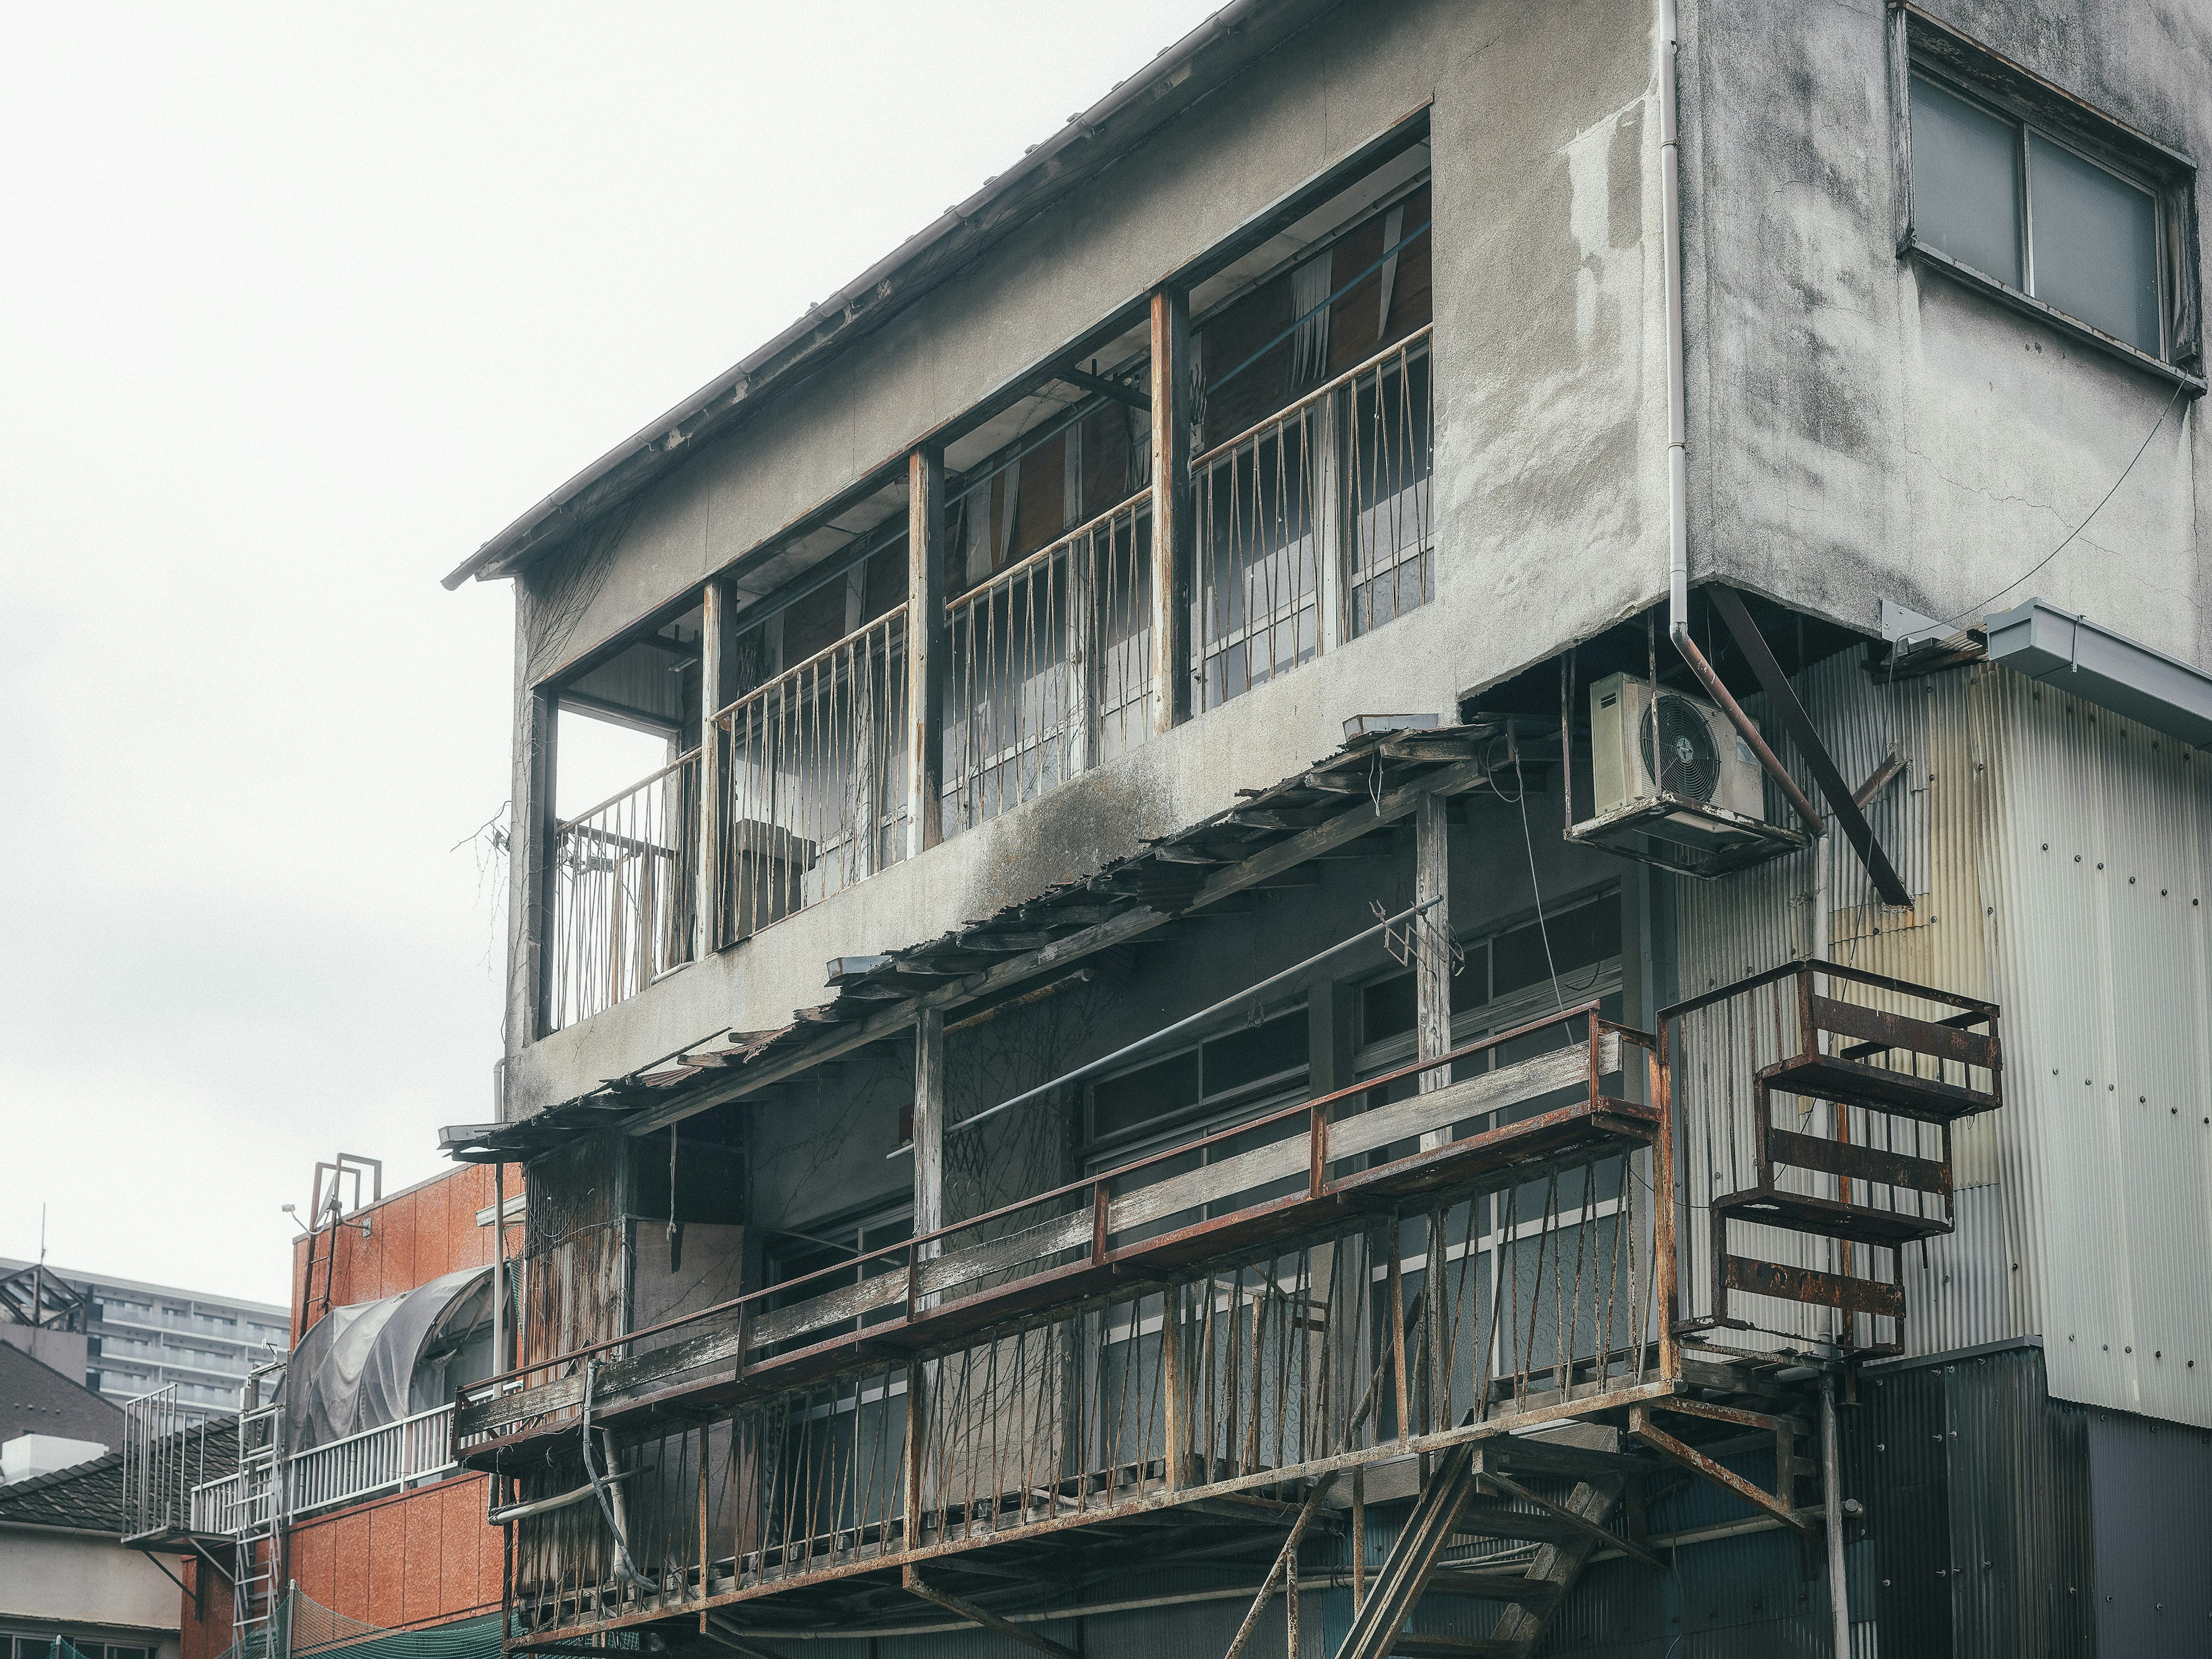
(624, 1565)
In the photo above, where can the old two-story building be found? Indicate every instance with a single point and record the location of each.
(1423, 869)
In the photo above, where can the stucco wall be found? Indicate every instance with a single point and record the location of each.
(84, 1581)
(1550, 465)
(1862, 427)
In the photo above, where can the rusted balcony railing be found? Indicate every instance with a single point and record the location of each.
(1324, 1291)
(1816, 1103)
(623, 881)
(814, 765)
(1314, 527)
(1051, 666)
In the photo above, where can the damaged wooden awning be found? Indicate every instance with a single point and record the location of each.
(1374, 780)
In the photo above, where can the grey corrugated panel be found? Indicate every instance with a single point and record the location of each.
(2108, 1007)
(1976, 1488)
(2151, 1485)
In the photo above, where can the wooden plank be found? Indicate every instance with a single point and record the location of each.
(956, 1268)
(1433, 952)
(1509, 1085)
(926, 647)
(1171, 507)
(1899, 1031)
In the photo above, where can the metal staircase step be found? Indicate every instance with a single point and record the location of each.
(1828, 1218)
(1827, 1077)
(1453, 1647)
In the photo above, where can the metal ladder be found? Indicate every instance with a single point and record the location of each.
(256, 1605)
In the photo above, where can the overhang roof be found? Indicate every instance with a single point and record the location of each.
(1363, 788)
(1179, 77)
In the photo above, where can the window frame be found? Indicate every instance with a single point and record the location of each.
(1922, 49)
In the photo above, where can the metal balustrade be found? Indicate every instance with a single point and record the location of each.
(1314, 526)
(1051, 667)
(359, 1466)
(813, 769)
(1326, 1292)
(624, 878)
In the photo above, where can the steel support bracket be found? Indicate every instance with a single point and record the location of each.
(1642, 1428)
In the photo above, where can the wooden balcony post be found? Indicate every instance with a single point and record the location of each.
(532, 844)
(1174, 1394)
(1433, 1013)
(714, 665)
(929, 1127)
(927, 650)
(1171, 536)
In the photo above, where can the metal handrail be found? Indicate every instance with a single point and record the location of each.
(473, 1392)
(1420, 337)
(665, 771)
(1066, 539)
(722, 716)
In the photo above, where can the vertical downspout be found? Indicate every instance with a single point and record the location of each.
(1678, 442)
(1832, 1500)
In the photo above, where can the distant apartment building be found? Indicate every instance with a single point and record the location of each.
(142, 1337)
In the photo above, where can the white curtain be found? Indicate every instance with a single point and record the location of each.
(1309, 305)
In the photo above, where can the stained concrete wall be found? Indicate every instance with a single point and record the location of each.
(1858, 427)
(1861, 426)
(88, 1584)
(1550, 465)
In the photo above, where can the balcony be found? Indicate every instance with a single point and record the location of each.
(1055, 581)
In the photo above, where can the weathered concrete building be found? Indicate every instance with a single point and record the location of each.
(1430, 875)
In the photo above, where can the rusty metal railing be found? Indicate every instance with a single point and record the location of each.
(1817, 1081)
(1325, 1290)
(813, 765)
(1314, 526)
(624, 880)
(1051, 666)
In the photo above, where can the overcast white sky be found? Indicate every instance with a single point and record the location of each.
(298, 305)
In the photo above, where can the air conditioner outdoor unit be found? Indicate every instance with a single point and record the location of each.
(1710, 790)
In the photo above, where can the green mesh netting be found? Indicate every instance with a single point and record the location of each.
(305, 1626)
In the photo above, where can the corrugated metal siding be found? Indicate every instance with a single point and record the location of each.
(2101, 887)
(2152, 1484)
(1961, 1291)
(1977, 1491)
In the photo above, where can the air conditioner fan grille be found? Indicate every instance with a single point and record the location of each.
(1689, 764)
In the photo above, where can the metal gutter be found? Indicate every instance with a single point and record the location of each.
(1162, 89)
(2108, 669)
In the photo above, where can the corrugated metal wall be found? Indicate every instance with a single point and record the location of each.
(2084, 1206)
(2101, 877)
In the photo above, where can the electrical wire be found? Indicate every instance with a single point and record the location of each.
(1984, 606)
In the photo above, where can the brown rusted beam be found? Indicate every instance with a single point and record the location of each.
(1642, 1428)
(1508, 1487)
(974, 1615)
(1856, 1296)
(1782, 698)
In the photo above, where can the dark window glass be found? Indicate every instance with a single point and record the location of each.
(1134, 1097)
(813, 622)
(1256, 1052)
(1580, 938)
(1966, 182)
(2095, 241)
(1386, 1008)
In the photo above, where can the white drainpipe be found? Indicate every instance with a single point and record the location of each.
(1678, 450)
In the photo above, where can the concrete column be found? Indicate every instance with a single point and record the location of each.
(1171, 538)
(1432, 957)
(927, 650)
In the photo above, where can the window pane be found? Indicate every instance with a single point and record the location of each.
(2095, 242)
(1124, 1102)
(1966, 188)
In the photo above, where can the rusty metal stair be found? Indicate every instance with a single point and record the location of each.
(1874, 1066)
(1473, 1491)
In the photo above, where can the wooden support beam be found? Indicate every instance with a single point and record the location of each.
(531, 843)
(1170, 410)
(1432, 946)
(1641, 1426)
(715, 638)
(929, 1122)
(926, 647)
(976, 1616)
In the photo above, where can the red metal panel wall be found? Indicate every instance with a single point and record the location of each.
(418, 1557)
(414, 1236)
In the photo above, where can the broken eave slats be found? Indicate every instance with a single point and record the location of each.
(1166, 879)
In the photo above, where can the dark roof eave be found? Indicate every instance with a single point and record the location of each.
(1165, 88)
